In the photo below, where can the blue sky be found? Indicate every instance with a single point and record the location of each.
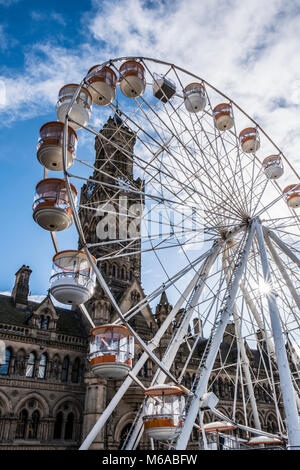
(25, 26)
(250, 52)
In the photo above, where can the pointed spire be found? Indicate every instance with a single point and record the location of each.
(117, 116)
(229, 334)
(163, 308)
(21, 288)
(163, 299)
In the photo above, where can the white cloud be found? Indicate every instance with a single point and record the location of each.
(47, 69)
(58, 18)
(3, 38)
(6, 40)
(5, 292)
(8, 3)
(41, 16)
(247, 51)
(37, 15)
(39, 298)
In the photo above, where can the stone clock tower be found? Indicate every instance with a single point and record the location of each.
(110, 205)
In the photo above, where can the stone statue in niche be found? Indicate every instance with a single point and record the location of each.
(135, 297)
(101, 309)
(55, 369)
(20, 365)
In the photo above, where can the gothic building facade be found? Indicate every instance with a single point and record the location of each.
(49, 398)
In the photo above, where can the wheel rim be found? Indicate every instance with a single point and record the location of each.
(185, 162)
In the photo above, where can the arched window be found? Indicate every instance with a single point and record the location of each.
(130, 275)
(34, 425)
(30, 365)
(226, 388)
(145, 369)
(41, 322)
(220, 388)
(240, 420)
(4, 369)
(239, 391)
(206, 417)
(69, 426)
(75, 371)
(123, 273)
(58, 425)
(213, 386)
(42, 366)
(272, 425)
(231, 390)
(65, 369)
(19, 368)
(104, 268)
(187, 380)
(268, 394)
(113, 270)
(124, 434)
(46, 323)
(22, 425)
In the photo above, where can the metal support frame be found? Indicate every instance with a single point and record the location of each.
(245, 359)
(173, 347)
(286, 385)
(225, 313)
(54, 241)
(282, 245)
(203, 430)
(177, 340)
(143, 345)
(282, 270)
(146, 300)
(289, 285)
(252, 308)
(257, 432)
(87, 315)
(153, 344)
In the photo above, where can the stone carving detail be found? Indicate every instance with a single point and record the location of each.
(20, 365)
(55, 369)
(135, 297)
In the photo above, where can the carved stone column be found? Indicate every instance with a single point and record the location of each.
(95, 403)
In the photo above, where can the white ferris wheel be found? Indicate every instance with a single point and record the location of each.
(212, 225)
